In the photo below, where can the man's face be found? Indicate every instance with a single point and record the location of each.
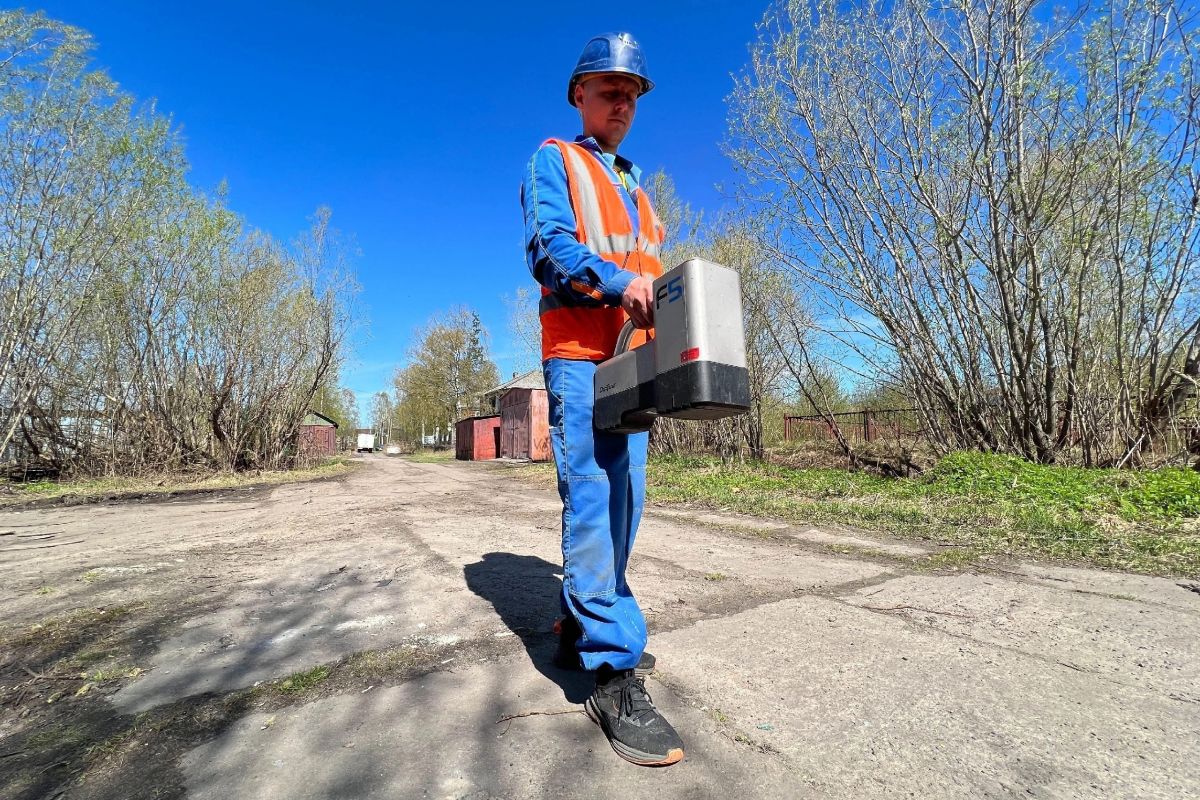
(607, 104)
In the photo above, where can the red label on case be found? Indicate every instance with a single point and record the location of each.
(689, 355)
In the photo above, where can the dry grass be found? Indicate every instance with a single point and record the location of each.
(17, 494)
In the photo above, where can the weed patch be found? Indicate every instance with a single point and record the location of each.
(113, 673)
(954, 558)
(62, 637)
(371, 664)
(303, 681)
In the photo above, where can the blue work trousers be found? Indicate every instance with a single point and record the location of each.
(602, 482)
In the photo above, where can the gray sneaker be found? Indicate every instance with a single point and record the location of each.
(622, 707)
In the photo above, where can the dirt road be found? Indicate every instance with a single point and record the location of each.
(411, 605)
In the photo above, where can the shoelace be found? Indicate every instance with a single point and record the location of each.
(635, 701)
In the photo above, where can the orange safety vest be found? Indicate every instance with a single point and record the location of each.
(602, 225)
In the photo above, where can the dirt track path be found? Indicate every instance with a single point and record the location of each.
(791, 669)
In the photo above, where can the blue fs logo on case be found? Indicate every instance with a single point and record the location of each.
(671, 291)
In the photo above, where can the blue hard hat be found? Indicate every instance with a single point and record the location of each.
(610, 52)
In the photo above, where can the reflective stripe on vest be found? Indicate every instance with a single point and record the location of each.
(575, 330)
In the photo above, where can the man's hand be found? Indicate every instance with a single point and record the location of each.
(638, 302)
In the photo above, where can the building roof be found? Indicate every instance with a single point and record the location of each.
(533, 379)
(309, 421)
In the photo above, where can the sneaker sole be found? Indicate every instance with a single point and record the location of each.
(630, 754)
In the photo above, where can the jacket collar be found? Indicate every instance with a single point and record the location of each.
(611, 159)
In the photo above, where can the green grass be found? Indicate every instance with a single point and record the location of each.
(954, 558)
(113, 673)
(92, 656)
(303, 681)
(382, 663)
(1158, 495)
(38, 487)
(431, 456)
(57, 736)
(1145, 521)
(19, 493)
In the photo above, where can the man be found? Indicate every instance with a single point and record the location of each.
(593, 242)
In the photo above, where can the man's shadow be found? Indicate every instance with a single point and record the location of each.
(525, 591)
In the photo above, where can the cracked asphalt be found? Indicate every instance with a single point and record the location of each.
(795, 661)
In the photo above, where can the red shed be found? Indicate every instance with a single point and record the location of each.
(477, 438)
(524, 428)
(318, 435)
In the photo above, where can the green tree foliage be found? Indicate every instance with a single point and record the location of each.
(447, 373)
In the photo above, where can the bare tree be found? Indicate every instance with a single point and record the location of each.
(525, 326)
(382, 413)
(995, 206)
(77, 169)
(767, 294)
(142, 326)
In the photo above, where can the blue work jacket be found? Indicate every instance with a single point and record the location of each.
(553, 253)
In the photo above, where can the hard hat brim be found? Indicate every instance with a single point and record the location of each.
(583, 77)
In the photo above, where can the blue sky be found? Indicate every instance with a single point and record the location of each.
(414, 123)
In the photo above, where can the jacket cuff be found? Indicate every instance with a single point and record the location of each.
(615, 287)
